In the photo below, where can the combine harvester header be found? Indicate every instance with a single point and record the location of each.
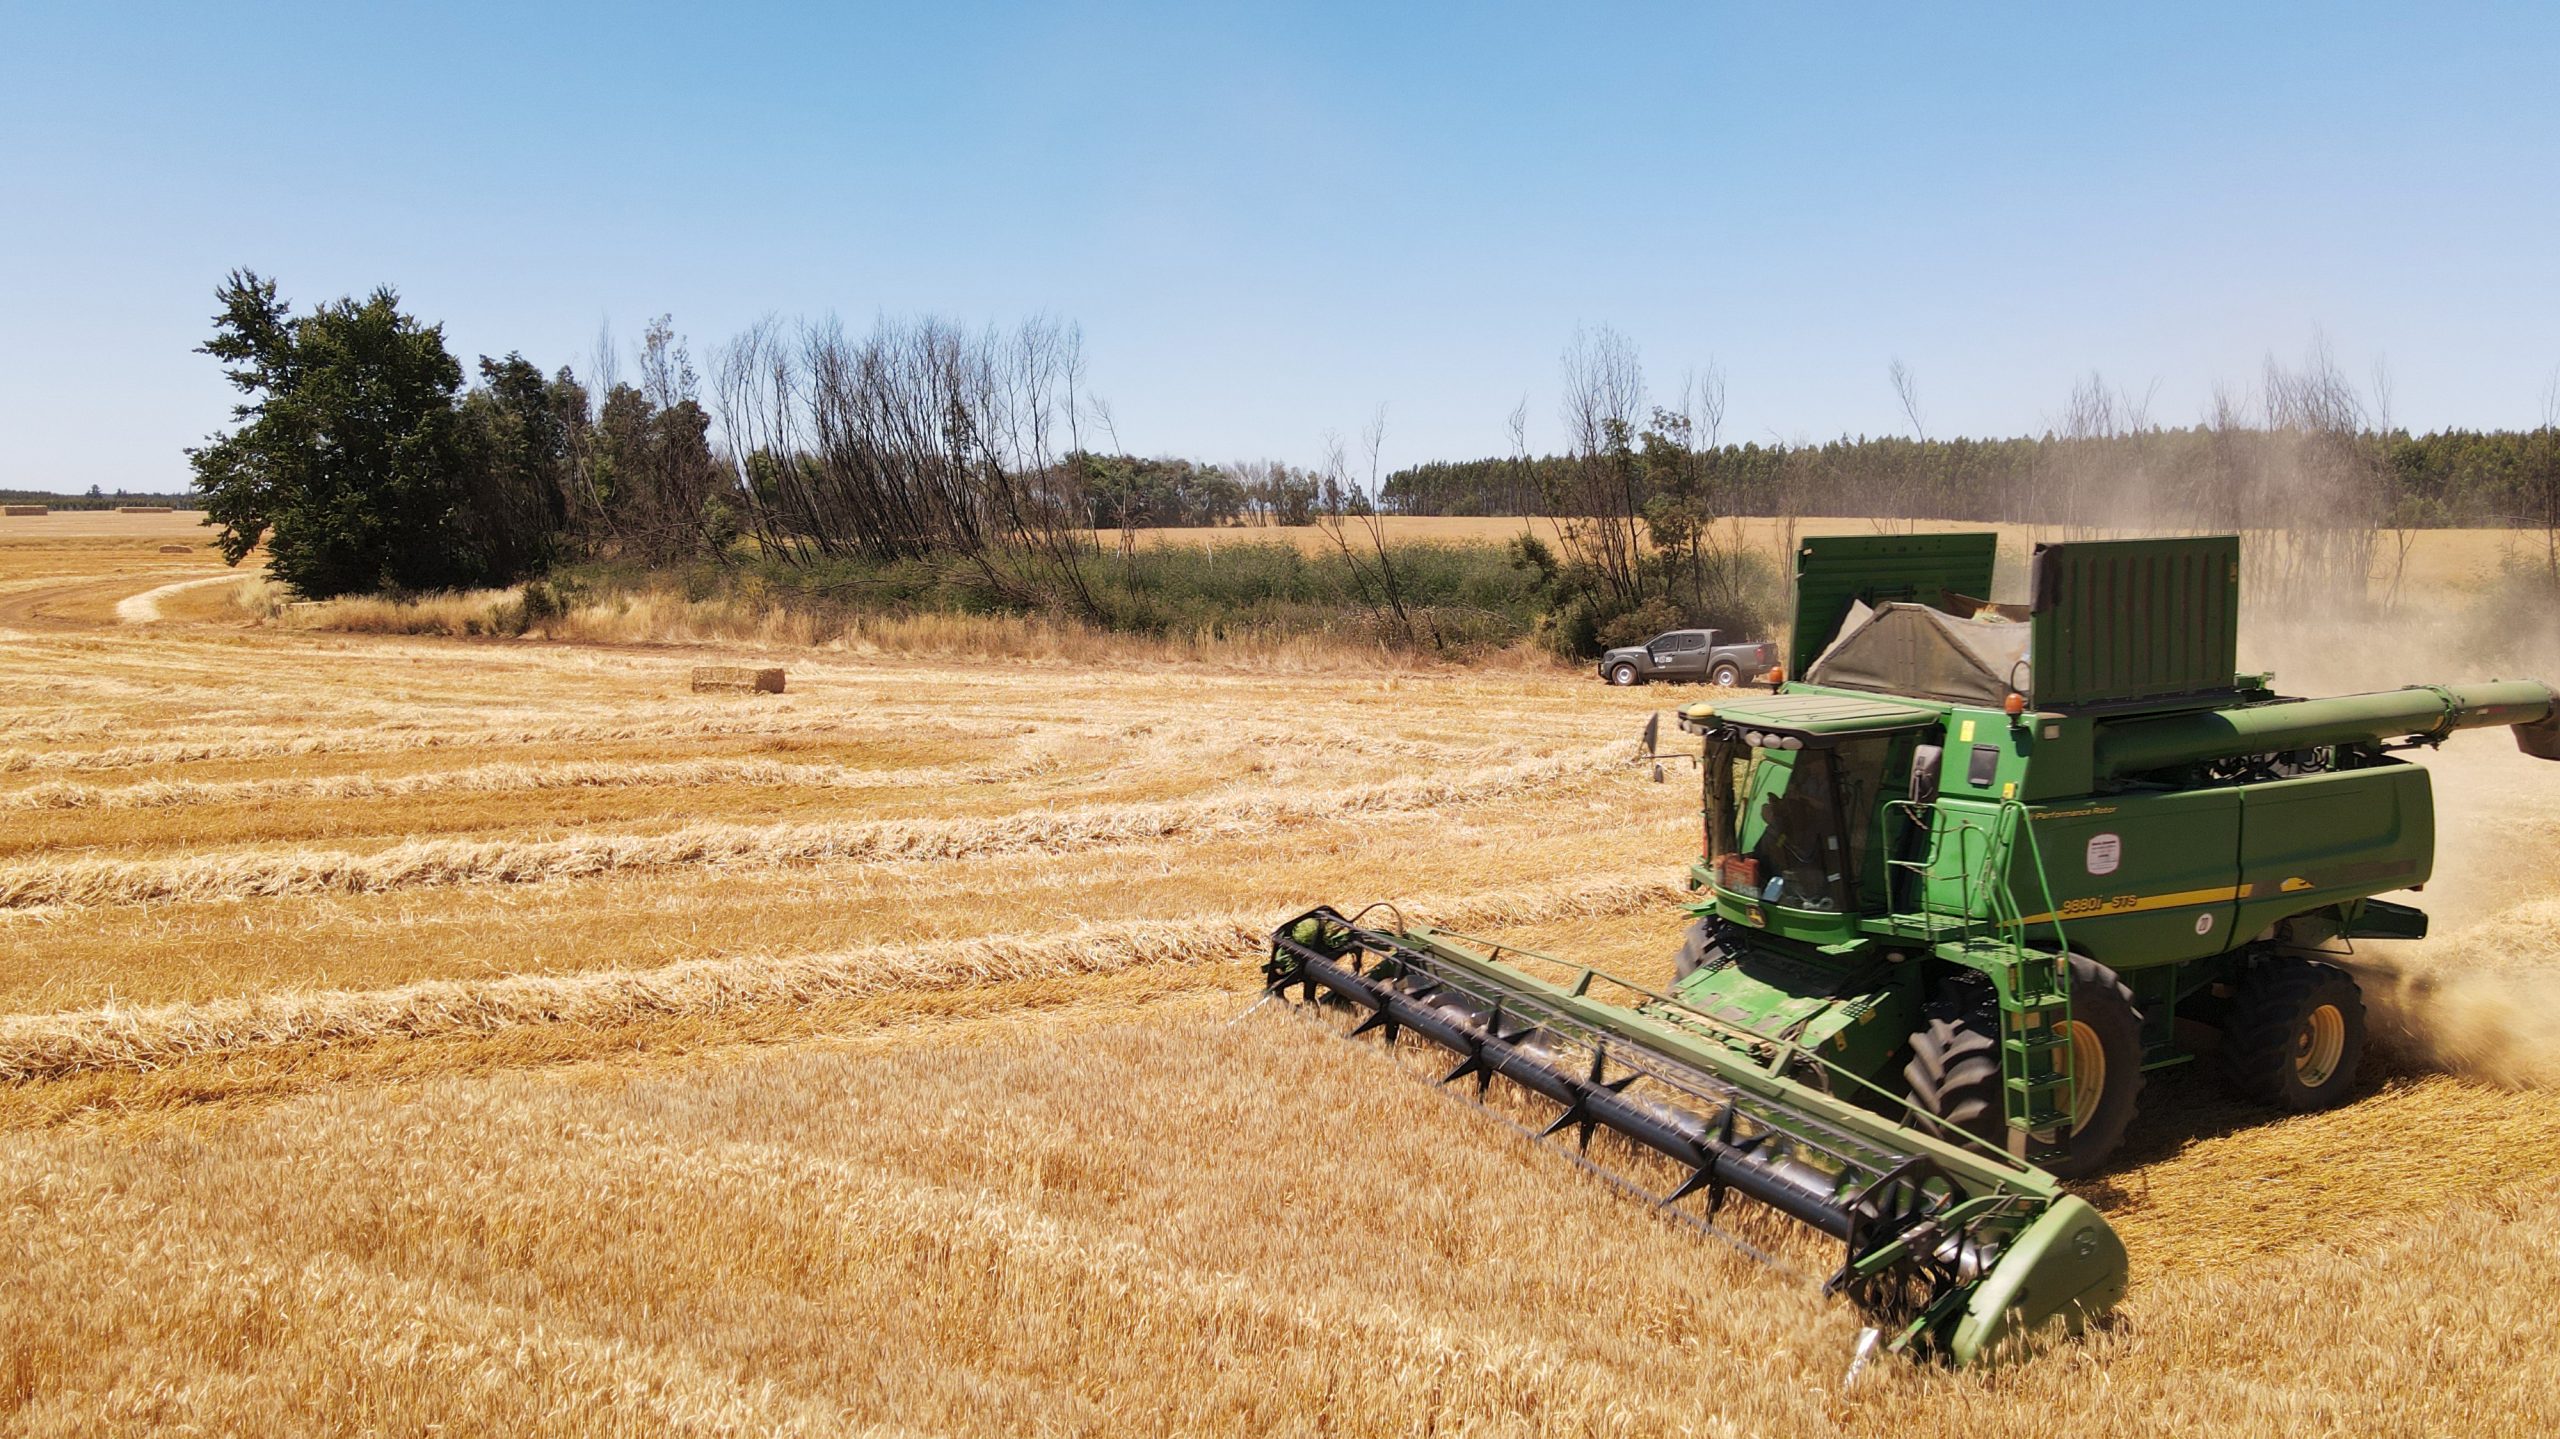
(1958, 886)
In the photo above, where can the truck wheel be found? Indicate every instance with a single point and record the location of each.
(1624, 674)
(1698, 950)
(1727, 674)
(2294, 1035)
(2106, 1044)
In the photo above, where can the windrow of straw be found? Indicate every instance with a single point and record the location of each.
(430, 863)
(707, 722)
(509, 778)
(382, 740)
(45, 1046)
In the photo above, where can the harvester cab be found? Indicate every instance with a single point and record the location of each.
(1962, 881)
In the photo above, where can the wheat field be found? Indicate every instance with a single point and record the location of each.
(402, 1035)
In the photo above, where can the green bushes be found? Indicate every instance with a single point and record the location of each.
(1458, 598)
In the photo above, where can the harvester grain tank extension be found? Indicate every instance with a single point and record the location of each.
(1963, 881)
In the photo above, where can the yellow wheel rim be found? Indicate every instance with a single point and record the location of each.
(2317, 1047)
(2086, 1062)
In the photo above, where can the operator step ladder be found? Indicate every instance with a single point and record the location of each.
(2040, 1097)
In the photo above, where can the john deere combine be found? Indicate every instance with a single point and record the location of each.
(1963, 881)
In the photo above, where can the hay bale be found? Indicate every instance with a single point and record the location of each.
(743, 679)
(176, 550)
(144, 510)
(26, 509)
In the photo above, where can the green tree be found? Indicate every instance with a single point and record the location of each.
(346, 462)
(515, 443)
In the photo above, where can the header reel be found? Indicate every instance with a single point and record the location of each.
(1949, 1249)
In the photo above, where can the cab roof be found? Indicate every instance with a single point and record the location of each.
(1812, 715)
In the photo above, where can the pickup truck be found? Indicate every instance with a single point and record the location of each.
(1696, 655)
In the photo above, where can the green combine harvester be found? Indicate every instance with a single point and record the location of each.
(1963, 881)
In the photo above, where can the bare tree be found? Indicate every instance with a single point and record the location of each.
(2399, 508)
(2218, 494)
(2100, 476)
(756, 389)
(1902, 496)
(1709, 408)
(1786, 509)
(1906, 390)
(2321, 490)
(1348, 508)
(1597, 503)
(604, 362)
(1524, 470)
(1728, 544)
(918, 442)
(2541, 487)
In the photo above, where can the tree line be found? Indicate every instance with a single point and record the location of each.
(2447, 478)
(363, 461)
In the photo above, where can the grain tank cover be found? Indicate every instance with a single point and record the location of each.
(2117, 621)
(1901, 648)
(1836, 572)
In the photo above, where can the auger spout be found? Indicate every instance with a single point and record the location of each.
(2138, 746)
(1954, 1247)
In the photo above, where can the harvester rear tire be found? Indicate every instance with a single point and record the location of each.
(2276, 1047)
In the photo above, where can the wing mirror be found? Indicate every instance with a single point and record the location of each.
(1925, 761)
(1646, 744)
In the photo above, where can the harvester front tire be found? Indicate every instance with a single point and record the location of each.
(1954, 1073)
(1698, 949)
(2293, 1037)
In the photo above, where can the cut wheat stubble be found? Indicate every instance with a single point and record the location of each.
(435, 863)
(43, 1046)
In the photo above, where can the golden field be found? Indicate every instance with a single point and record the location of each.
(401, 1033)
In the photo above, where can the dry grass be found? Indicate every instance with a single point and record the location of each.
(403, 1034)
(668, 617)
(1178, 1227)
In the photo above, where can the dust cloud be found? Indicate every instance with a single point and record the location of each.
(2480, 996)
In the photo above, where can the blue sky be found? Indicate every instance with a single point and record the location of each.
(1270, 222)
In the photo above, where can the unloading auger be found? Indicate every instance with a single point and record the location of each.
(1946, 1244)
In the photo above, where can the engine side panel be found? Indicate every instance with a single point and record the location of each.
(2135, 879)
(2324, 839)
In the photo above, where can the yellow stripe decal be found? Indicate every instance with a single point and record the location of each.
(2101, 906)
